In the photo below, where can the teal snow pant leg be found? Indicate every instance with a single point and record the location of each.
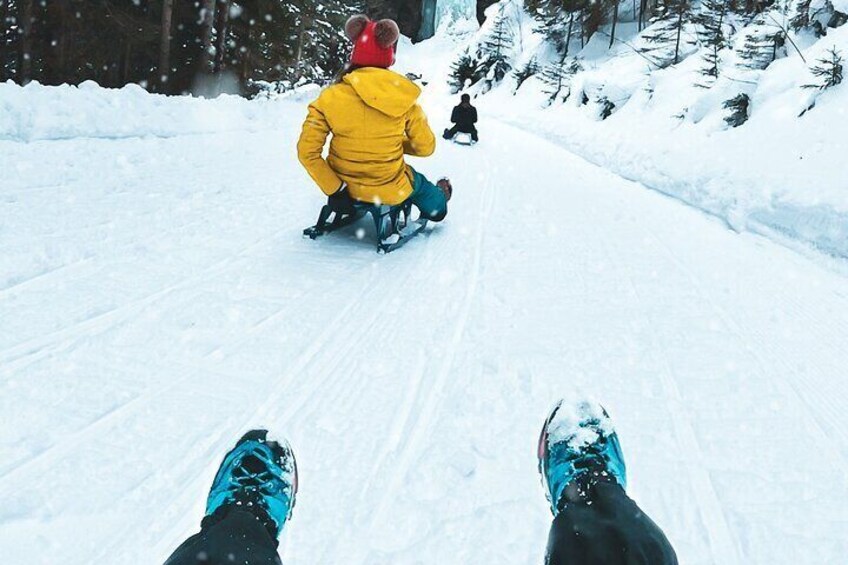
(428, 198)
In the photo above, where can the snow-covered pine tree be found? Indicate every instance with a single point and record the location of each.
(605, 107)
(817, 15)
(739, 107)
(593, 16)
(318, 49)
(8, 40)
(713, 35)
(763, 42)
(464, 72)
(664, 40)
(828, 71)
(557, 78)
(559, 20)
(801, 18)
(495, 51)
(524, 72)
(293, 41)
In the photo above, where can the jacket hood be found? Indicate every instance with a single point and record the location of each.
(384, 90)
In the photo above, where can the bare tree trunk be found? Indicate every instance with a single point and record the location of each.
(679, 33)
(126, 62)
(3, 38)
(643, 7)
(165, 41)
(222, 18)
(57, 21)
(305, 23)
(64, 14)
(207, 18)
(582, 31)
(26, 41)
(246, 57)
(568, 35)
(614, 22)
(301, 33)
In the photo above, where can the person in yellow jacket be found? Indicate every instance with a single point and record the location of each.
(374, 118)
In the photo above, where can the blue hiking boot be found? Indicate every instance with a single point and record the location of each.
(578, 448)
(259, 476)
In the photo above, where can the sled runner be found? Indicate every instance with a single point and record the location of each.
(463, 139)
(393, 223)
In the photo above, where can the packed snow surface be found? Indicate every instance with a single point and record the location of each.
(157, 300)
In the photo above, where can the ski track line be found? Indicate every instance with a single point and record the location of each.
(47, 274)
(25, 353)
(326, 380)
(372, 315)
(117, 413)
(117, 245)
(95, 427)
(153, 212)
(210, 444)
(75, 438)
(829, 405)
(402, 417)
(235, 345)
(423, 422)
(350, 330)
(723, 545)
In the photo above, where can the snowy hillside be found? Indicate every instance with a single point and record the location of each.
(157, 300)
(781, 173)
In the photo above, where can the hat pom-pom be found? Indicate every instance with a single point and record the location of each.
(355, 26)
(387, 33)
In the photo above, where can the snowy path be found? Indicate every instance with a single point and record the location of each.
(156, 300)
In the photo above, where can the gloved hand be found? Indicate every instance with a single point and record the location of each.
(341, 201)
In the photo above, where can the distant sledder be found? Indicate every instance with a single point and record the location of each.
(463, 117)
(374, 118)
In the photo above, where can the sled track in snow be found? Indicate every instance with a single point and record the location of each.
(421, 422)
(825, 406)
(18, 356)
(722, 545)
(314, 374)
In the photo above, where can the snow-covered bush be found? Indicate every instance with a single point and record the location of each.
(557, 78)
(739, 107)
(827, 71)
(464, 72)
(524, 72)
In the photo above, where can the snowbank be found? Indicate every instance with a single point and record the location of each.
(37, 112)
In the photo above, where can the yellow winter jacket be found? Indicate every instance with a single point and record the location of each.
(375, 119)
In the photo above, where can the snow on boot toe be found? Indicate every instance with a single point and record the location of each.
(578, 442)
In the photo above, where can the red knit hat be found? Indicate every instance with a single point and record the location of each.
(374, 43)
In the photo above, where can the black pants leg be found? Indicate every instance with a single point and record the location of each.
(608, 528)
(450, 133)
(237, 537)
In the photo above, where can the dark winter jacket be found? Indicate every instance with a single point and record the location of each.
(464, 117)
